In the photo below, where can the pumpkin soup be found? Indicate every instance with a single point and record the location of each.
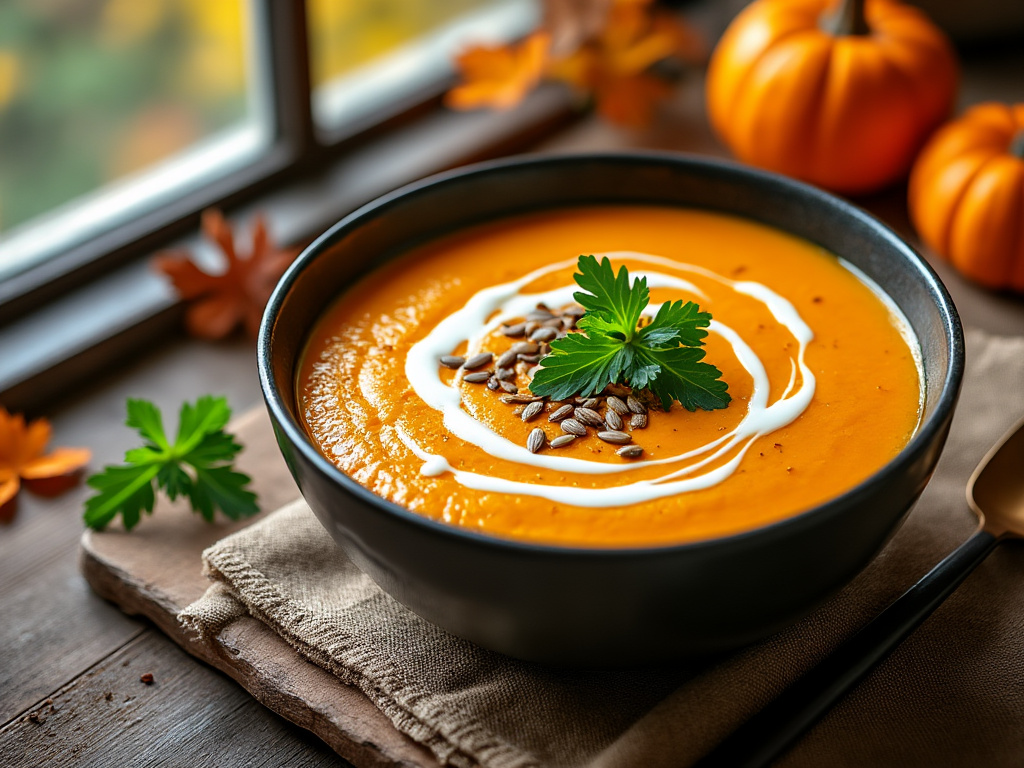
(416, 382)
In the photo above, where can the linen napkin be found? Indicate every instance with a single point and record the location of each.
(951, 695)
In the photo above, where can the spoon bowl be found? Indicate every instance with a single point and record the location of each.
(996, 490)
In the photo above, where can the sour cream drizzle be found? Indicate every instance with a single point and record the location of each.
(490, 307)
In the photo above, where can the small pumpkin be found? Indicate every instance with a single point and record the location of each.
(967, 194)
(842, 97)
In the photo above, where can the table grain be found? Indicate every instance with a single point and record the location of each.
(70, 664)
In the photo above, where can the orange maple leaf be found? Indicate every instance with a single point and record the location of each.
(614, 66)
(22, 458)
(218, 303)
(500, 76)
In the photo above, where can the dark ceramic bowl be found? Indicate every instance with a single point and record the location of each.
(600, 607)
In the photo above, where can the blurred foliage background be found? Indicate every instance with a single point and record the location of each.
(94, 90)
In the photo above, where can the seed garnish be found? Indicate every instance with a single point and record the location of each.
(531, 410)
(505, 374)
(507, 359)
(630, 451)
(543, 334)
(573, 427)
(562, 440)
(536, 440)
(638, 421)
(508, 386)
(588, 416)
(562, 412)
(478, 361)
(614, 436)
(514, 330)
(613, 420)
(477, 378)
(452, 361)
(524, 348)
(617, 405)
(635, 405)
(521, 398)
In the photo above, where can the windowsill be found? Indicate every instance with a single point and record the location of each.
(61, 344)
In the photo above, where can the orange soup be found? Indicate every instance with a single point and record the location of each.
(822, 371)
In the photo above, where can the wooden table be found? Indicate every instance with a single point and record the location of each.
(70, 663)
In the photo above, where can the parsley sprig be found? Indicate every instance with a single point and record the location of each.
(664, 356)
(196, 465)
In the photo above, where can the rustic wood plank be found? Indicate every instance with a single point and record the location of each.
(190, 715)
(53, 628)
(156, 570)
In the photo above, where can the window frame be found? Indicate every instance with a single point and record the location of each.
(301, 160)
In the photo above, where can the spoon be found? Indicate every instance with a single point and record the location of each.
(995, 494)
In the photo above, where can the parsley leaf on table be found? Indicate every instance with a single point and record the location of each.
(664, 356)
(197, 465)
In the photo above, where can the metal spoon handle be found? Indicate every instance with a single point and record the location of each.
(774, 729)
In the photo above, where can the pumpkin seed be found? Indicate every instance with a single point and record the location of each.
(508, 386)
(530, 327)
(478, 361)
(617, 405)
(536, 440)
(477, 378)
(614, 436)
(531, 410)
(562, 440)
(514, 330)
(452, 361)
(574, 310)
(588, 416)
(530, 359)
(613, 420)
(538, 315)
(573, 427)
(638, 421)
(492, 384)
(562, 412)
(591, 402)
(630, 451)
(635, 405)
(505, 374)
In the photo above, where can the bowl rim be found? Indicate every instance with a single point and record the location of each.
(922, 439)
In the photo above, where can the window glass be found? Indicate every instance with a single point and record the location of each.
(369, 54)
(110, 107)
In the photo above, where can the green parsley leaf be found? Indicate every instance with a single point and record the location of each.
(664, 356)
(197, 465)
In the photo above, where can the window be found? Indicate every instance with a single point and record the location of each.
(109, 108)
(369, 55)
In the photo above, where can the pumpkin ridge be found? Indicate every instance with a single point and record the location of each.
(947, 228)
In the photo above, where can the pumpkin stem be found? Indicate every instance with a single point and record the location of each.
(847, 19)
(1017, 144)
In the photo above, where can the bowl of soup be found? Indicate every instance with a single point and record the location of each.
(396, 358)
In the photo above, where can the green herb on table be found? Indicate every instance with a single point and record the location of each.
(664, 356)
(197, 465)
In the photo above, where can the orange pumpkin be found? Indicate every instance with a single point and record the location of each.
(967, 194)
(841, 97)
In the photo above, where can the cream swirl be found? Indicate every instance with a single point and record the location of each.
(493, 306)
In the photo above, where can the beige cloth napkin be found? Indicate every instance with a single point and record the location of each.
(951, 695)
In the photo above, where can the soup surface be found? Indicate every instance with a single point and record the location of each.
(823, 376)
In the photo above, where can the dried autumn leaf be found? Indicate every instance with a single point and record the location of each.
(219, 303)
(615, 66)
(23, 458)
(571, 23)
(500, 76)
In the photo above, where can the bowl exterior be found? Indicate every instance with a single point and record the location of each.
(605, 607)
